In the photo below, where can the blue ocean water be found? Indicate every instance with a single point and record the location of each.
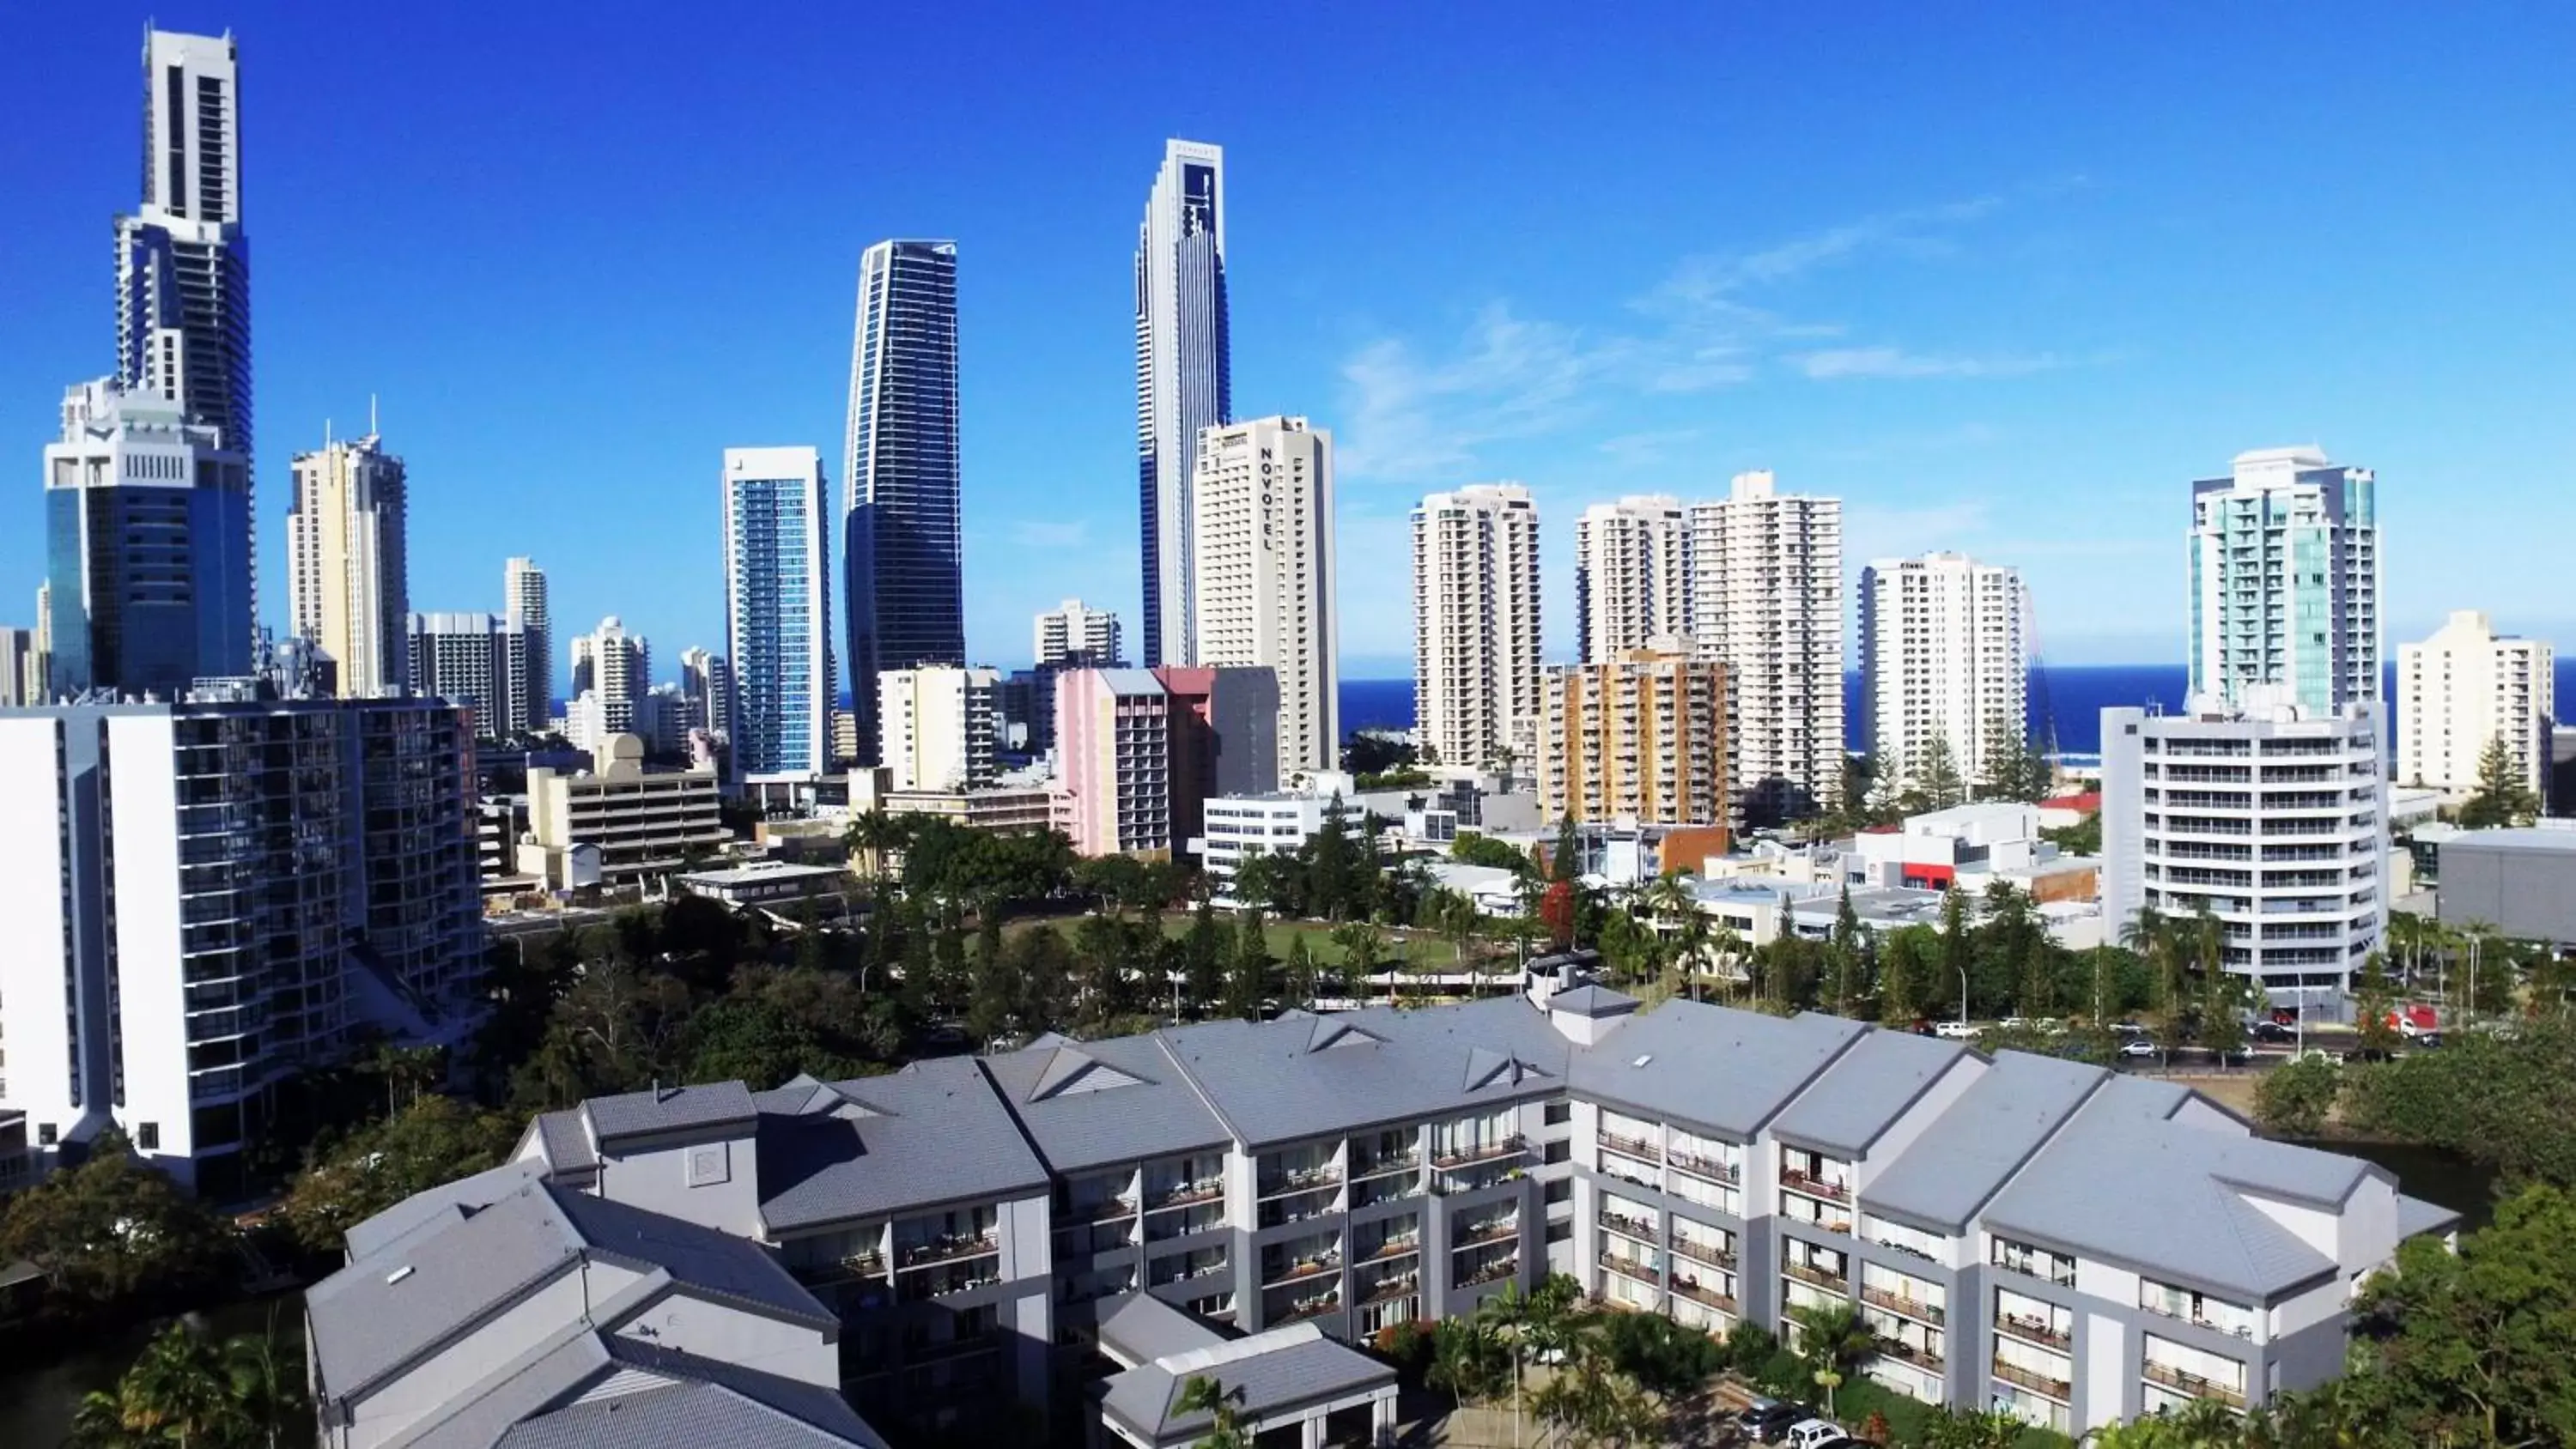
(2066, 700)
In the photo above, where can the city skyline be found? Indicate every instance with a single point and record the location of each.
(1461, 356)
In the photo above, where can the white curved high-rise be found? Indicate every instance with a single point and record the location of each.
(1183, 377)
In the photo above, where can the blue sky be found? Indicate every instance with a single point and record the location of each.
(2003, 282)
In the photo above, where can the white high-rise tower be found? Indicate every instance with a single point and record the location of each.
(2464, 689)
(1073, 634)
(530, 683)
(1263, 503)
(1476, 623)
(1766, 591)
(1628, 577)
(2285, 581)
(1183, 378)
(1944, 655)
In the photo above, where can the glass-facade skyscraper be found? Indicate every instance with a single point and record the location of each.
(2285, 583)
(147, 533)
(901, 540)
(1183, 377)
(778, 611)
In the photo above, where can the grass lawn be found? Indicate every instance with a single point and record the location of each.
(1411, 945)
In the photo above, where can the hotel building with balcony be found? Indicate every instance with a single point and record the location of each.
(2067, 1242)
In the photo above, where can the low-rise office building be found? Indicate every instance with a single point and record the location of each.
(645, 823)
(764, 882)
(1278, 822)
(2519, 882)
(2077, 1245)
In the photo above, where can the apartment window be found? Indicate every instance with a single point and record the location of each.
(1561, 1190)
(147, 1136)
(45, 1134)
(1558, 1114)
(1561, 1232)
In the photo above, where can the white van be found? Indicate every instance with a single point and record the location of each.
(1953, 1030)
(1815, 1434)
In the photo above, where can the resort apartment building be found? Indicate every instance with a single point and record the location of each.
(936, 726)
(1475, 622)
(1641, 737)
(1262, 576)
(2272, 818)
(1766, 601)
(1277, 822)
(1138, 752)
(2285, 580)
(1944, 655)
(214, 895)
(1629, 582)
(2464, 689)
(2077, 1245)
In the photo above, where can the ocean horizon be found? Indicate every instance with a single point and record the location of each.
(2066, 700)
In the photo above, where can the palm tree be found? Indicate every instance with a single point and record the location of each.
(1223, 1406)
(1531, 1323)
(267, 1389)
(871, 834)
(1831, 1340)
(176, 1391)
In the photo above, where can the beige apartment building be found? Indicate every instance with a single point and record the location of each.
(1475, 621)
(644, 823)
(1643, 736)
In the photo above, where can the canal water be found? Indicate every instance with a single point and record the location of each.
(36, 1402)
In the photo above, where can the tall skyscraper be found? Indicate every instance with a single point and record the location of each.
(1262, 499)
(531, 677)
(2464, 689)
(18, 683)
(182, 258)
(615, 669)
(778, 610)
(1183, 377)
(900, 516)
(706, 685)
(147, 520)
(1628, 576)
(40, 676)
(1476, 623)
(1073, 636)
(1766, 594)
(347, 569)
(2285, 581)
(1944, 655)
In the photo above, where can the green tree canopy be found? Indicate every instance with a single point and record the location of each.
(115, 1230)
(432, 1141)
(2503, 796)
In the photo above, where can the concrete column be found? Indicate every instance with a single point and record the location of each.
(1311, 1432)
(1382, 1421)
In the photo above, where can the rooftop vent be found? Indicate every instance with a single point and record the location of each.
(398, 1275)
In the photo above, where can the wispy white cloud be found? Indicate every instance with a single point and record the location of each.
(1841, 362)
(1411, 413)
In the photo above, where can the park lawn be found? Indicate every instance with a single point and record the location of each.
(1412, 945)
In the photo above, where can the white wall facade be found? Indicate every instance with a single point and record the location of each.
(1944, 656)
(1475, 620)
(1263, 577)
(2465, 688)
(1766, 594)
(1628, 575)
(936, 726)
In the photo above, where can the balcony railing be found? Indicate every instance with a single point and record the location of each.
(2060, 1271)
(949, 1249)
(1711, 1168)
(1922, 1358)
(1492, 1230)
(1108, 1210)
(1898, 1303)
(2038, 1383)
(1387, 1166)
(1699, 1252)
(1498, 1268)
(1474, 1153)
(1636, 1147)
(2034, 1330)
(1392, 1248)
(2241, 1328)
(1305, 1308)
(1634, 1268)
(1692, 1289)
(2193, 1384)
(1301, 1268)
(1304, 1179)
(1816, 1187)
(1628, 1227)
(1821, 1277)
(870, 1264)
(1389, 1289)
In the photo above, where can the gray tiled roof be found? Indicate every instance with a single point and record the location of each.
(1866, 1090)
(931, 1133)
(449, 1200)
(699, 1403)
(669, 1109)
(1713, 1067)
(566, 1141)
(1076, 1130)
(706, 1260)
(452, 1270)
(2130, 1182)
(1278, 1081)
(1984, 1137)
(1592, 1001)
(1145, 1328)
(1130, 681)
(2415, 1216)
(1278, 1370)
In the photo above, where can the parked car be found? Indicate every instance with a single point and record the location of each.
(1954, 1030)
(1765, 1420)
(1815, 1434)
(2273, 1031)
(2137, 1046)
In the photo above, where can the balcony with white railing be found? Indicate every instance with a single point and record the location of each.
(2190, 1306)
(2194, 1373)
(1822, 1267)
(2034, 1321)
(1704, 1157)
(1905, 1295)
(1905, 1238)
(1797, 1208)
(1815, 1176)
(2033, 1261)
(1713, 1247)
